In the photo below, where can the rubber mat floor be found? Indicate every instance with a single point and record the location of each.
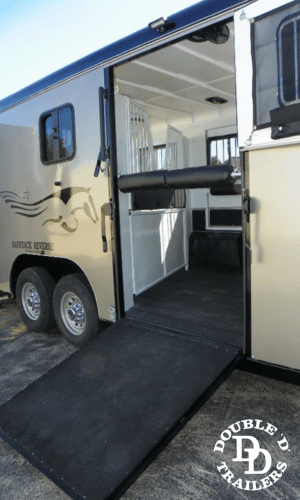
(90, 421)
(200, 302)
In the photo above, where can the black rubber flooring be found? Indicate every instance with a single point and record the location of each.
(91, 420)
(201, 303)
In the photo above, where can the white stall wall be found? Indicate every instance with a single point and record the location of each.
(159, 246)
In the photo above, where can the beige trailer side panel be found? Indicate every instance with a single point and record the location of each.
(70, 226)
(275, 244)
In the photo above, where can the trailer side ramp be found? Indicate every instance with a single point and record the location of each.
(93, 421)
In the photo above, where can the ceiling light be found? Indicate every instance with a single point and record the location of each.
(216, 100)
(161, 25)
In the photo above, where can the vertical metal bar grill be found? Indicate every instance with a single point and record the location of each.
(140, 151)
(174, 149)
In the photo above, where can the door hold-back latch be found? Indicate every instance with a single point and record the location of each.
(246, 204)
(104, 148)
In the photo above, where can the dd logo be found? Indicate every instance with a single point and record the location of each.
(253, 453)
(258, 460)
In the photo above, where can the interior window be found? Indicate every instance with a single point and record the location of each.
(57, 135)
(224, 151)
(160, 153)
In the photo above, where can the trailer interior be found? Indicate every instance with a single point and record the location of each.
(181, 248)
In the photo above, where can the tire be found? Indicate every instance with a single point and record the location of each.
(75, 309)
(34, 296)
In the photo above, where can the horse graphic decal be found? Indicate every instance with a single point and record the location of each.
(37, 208)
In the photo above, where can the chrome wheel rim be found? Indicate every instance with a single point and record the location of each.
(73, 313)
(31, 301)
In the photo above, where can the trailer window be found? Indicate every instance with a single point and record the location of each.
(289, 60)
(57, 134)
(276, 63)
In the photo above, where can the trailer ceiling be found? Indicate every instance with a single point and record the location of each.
(174, 82)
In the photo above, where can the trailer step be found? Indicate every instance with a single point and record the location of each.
(92, 421)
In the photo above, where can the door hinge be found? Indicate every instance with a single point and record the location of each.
(247, 211)
(111, 209)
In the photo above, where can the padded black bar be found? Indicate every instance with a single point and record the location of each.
(229, 189)
(144, 180)
(200, 177)
(185, 178)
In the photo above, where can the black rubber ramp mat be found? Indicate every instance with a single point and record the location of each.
(91, 420)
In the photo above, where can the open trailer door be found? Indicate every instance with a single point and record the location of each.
(177, 163)
(268, 50)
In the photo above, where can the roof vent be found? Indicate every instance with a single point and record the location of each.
(217, 33)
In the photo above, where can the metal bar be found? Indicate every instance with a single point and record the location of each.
(102, 97)
(133, 138)
(296, 60)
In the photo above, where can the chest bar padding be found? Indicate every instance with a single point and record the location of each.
(200, 177)
(186, 178)
(141, 181)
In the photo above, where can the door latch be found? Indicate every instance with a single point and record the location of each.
(104, 148)
(106, 211)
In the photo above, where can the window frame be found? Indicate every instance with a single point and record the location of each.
(42, 132)
(292, 19)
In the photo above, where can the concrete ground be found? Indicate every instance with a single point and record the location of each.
(261, 412)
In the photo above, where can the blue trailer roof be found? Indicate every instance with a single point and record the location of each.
(198, 12)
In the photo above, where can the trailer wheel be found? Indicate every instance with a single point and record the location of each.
(34, 295)
(75, 309)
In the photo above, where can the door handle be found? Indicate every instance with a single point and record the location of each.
(106, 211)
